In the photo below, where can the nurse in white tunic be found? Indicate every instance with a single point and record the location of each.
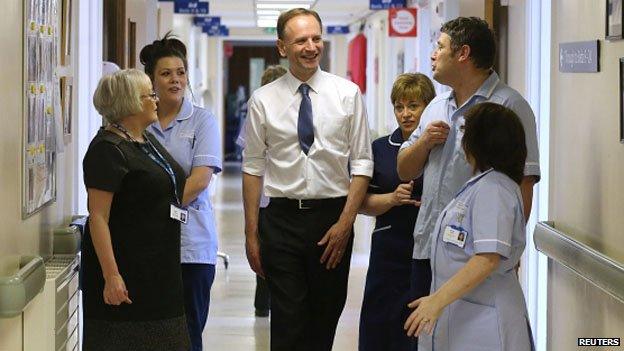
(476, 302)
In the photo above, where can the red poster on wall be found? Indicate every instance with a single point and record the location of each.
(402, 22)
(356, 69)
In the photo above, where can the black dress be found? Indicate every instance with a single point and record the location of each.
(386, 293)
(146, 245)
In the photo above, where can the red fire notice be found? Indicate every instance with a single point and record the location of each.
(402, 22)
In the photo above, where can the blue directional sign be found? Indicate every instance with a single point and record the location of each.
(386, 4)
(206, 21)
(216, 31)
(190, 7)
(337, 29)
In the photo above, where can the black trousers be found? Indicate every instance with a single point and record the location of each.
(420, 284)
(262, 299)
(306, 298)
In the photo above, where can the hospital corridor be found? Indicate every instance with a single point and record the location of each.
(312, 175)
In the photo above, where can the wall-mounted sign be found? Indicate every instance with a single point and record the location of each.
(385, 4)
(216, 31)
(207, 21)
(579, 57)
(337, 29)
(190, 7)
(402, 22)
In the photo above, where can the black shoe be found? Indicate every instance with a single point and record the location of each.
(260, 312)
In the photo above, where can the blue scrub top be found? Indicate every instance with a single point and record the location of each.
(194, 140)
(488, 211)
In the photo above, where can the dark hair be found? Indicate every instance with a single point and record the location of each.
(168, 46)
(475, 33)
(290, 14)
(494, 138)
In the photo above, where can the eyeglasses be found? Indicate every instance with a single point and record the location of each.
(151, 95)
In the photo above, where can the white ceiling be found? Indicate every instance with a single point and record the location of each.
(241, 13)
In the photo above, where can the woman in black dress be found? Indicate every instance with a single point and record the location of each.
(132, 287)
(395, 205)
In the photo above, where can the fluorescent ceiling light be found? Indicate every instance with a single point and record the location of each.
(263, 23)
(275, 6)
(268, 12)
(268, 18)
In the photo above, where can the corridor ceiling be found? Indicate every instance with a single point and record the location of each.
(242, 13)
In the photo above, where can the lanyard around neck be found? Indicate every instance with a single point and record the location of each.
(152, 152)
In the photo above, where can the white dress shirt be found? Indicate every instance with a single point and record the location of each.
(341, 138)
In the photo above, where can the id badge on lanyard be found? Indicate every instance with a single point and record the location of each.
(176, 211)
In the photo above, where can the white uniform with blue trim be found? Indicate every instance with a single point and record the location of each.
(193, 139)
(486, 216)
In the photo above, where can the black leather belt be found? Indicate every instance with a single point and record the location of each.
(307, 204)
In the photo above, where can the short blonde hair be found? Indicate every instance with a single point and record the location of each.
(271, 73)
(119, 95)
(416, 86)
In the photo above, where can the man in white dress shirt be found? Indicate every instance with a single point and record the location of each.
(307, 136)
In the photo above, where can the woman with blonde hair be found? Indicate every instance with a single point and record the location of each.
(132, 287)
(395, 205)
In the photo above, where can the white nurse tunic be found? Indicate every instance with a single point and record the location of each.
(486, 216)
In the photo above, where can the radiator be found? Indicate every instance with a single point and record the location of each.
(51, 322)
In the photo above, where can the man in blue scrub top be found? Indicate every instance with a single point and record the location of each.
(463, 60)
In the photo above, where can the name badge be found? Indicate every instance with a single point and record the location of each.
(177, 213)
(455, 236)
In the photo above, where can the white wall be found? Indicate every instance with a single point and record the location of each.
(339, 50)
(144, 14)
(165, 24)
(33, 235)
(516, 36)
(14, 229)
(87, 70)
(586, 174)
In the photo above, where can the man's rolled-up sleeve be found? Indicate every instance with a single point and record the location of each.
(361, 155)
(254, 154)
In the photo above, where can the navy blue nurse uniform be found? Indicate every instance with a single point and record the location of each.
(386, 294)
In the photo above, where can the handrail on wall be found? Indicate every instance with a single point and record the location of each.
(602, 271)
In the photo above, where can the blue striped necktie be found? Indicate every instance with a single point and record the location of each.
(305, 128)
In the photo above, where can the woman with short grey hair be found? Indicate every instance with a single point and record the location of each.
(132, 287)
